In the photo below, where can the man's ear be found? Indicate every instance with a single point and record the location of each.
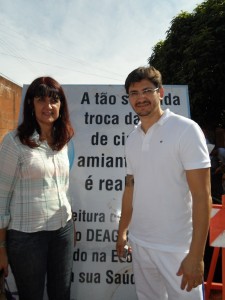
(161, 93)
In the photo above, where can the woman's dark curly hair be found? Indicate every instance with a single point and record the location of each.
(62, 130)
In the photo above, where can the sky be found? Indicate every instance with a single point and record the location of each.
(82, 41)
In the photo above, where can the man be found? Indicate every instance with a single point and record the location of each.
(166, 202)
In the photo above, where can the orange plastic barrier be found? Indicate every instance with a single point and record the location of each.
(217, 240)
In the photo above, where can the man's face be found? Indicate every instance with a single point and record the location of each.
(145, 97)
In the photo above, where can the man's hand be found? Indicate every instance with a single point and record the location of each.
(192, 272)
(121, 242)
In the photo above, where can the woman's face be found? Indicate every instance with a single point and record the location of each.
(47, 109)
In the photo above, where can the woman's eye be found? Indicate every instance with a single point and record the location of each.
(54, 100)
(39, 99)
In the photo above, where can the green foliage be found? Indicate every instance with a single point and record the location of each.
(193, 54)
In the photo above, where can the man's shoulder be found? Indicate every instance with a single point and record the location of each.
(174, 116)
(179, 119)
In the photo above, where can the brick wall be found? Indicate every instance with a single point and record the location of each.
(10, 98)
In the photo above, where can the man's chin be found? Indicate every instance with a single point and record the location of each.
(143, 114)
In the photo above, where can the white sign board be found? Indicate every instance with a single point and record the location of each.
(103, 118)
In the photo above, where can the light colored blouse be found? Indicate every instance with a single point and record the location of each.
(34, 186)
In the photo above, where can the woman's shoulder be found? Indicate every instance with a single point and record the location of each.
(11, 138)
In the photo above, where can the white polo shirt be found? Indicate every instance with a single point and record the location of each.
(162, 203)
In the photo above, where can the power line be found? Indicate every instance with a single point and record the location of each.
(58, 67)
(44, 47)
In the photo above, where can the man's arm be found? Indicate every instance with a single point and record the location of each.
(192, 267)
(126, 214)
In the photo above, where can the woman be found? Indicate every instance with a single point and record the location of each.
(37, 234)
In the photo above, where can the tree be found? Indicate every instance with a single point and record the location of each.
(193, 54)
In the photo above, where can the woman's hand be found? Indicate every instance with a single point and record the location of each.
(4, 261)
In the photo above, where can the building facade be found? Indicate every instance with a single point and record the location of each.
(10, 99)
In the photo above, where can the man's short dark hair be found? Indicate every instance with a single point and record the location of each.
(149, 73)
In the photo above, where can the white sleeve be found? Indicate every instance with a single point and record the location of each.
(193, 149)
(9, 166)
